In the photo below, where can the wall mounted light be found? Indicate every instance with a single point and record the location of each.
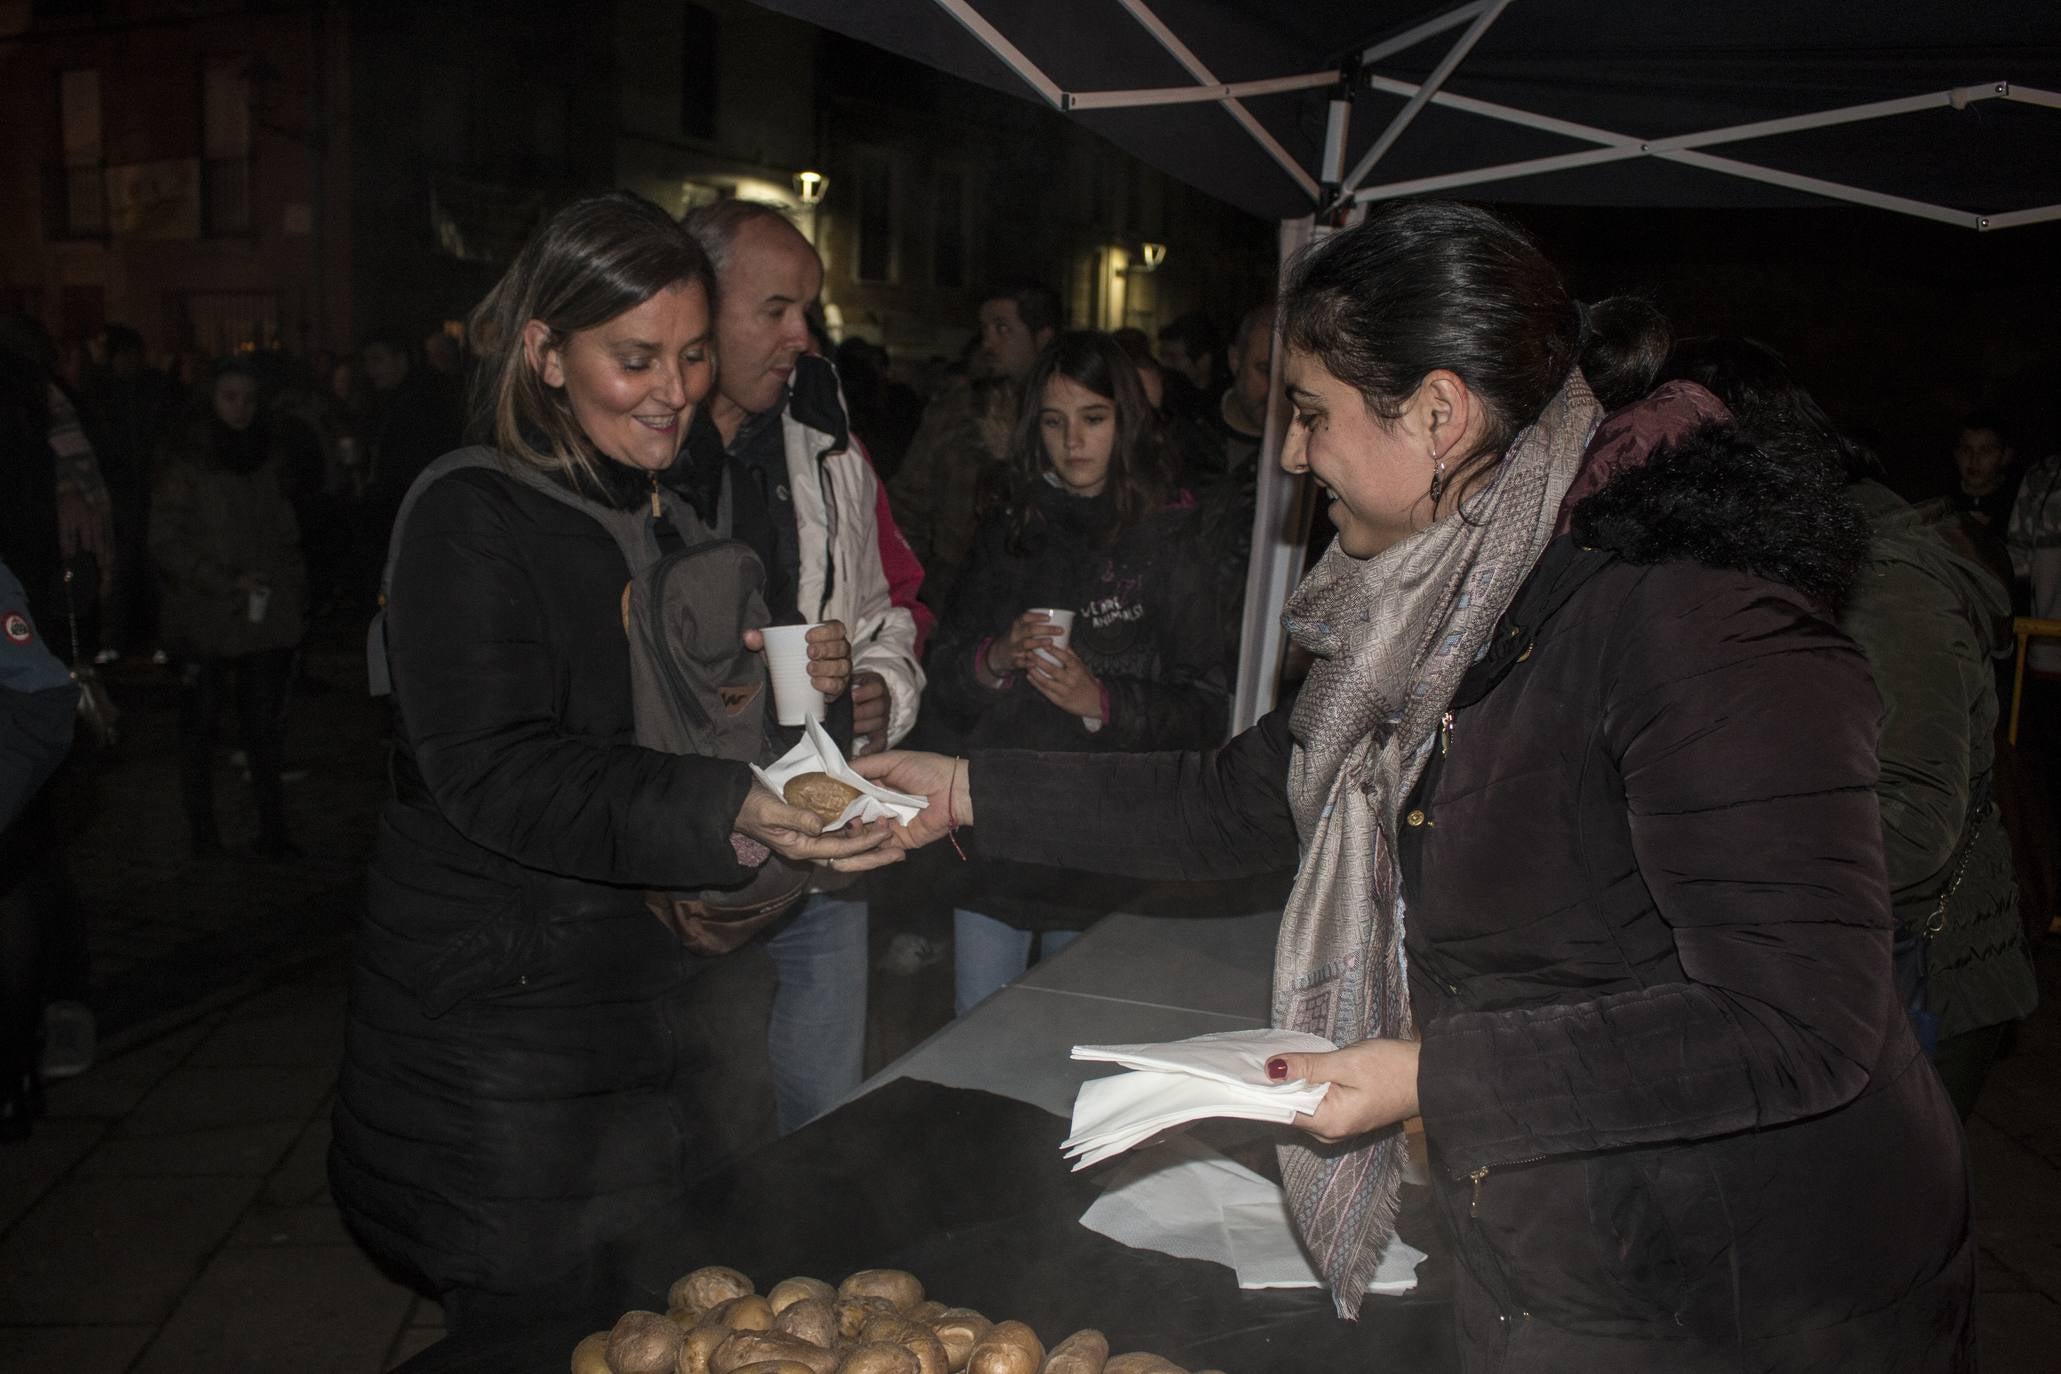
(810, 186)
(1151, 255)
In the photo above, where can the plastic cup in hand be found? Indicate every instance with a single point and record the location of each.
(1061, 621)
(795, 698)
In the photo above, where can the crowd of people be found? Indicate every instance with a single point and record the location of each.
(1652, 839)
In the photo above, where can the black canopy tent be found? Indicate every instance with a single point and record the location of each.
(1306, 111)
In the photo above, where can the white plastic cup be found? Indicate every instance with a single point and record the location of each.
(1063, 622)
(795, 698)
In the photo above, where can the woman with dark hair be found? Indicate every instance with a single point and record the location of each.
(1091, 528)
(234, 589)
(1591, 870)
(523, 1081)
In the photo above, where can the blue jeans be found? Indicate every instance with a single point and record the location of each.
(987, 953)
(817, 1037)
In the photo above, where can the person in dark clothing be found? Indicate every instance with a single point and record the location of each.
(37, 703)
(128, 409)
(1582, 785)
(527, 1075)
(234, 591)
(1092, 529)
(1931, 615)
(413, 415)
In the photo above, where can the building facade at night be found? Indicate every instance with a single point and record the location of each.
(248, 174)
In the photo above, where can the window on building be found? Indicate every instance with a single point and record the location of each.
(223, 322)
(876, 256)
(225, 147)
(948, 229)
(699, 71)
(81, 202)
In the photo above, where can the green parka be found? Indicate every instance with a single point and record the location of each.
(1929, 620)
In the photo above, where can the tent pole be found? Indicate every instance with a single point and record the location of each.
(1430, 28)
(991, 38)
(1408, 114)
(1195, 95)
(1682, 149)
(1280, 532)
(1142, 12)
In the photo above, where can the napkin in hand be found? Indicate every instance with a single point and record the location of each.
(1172, 1084)
(818, 753)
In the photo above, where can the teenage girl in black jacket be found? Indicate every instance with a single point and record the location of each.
(1092, 528)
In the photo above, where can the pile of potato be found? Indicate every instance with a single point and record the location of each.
(876, 1322)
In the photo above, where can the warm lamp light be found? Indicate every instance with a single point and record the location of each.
(1151, 255)
(810, 186)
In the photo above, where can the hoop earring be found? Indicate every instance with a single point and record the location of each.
(1438, 479)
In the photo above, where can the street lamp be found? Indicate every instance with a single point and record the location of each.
(810, 186)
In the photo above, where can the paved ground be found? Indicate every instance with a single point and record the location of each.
(171, 1214)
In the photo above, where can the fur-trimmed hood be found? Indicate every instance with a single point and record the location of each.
(1704, 493)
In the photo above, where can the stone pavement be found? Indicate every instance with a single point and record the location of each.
(171, 1214)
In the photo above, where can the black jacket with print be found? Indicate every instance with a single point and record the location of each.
(1145, 625)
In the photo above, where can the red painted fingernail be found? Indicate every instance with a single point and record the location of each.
(1277, 1068)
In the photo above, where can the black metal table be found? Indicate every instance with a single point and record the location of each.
(967, 1190)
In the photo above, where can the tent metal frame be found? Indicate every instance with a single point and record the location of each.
(1281, 517)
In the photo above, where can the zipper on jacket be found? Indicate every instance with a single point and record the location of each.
(658, 508)
(1475, 1176)
(1445, 734)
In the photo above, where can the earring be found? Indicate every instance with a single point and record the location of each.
(1438, 479)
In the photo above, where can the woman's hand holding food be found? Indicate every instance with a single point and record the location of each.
(795, 832)
(830, 656)
(944, 781)
(1373, 1085)
(1012, 652)
(1066, 682)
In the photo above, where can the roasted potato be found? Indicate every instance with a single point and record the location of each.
(1084, 1352)
(812, 1319)
(896, 1286)
(822, 794)
(590, 1356)
(879, 1357)
(708, 1288)
(787, 1292)
(959, 1329)
(757, 1347)
(748, 1313)
(1141, 1362)
(700, 1343)
(913, 1336)
(643, 1343)
(854, 1313)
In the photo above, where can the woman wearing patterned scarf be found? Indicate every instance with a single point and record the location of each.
(1590, 870)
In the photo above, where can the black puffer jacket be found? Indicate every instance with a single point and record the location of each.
(1144, 624)
(1677, 1120)
(522, 1075)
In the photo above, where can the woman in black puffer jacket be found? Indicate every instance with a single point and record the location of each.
(1090, 529)
(1591, 876)
(523, 1079)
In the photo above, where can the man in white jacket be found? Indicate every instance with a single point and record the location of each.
(780, 416)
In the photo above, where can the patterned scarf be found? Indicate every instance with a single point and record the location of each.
(1392, 635)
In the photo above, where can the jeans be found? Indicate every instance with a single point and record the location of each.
(817, 1036)
(987, 953)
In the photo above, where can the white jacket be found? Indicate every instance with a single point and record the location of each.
(841, 576)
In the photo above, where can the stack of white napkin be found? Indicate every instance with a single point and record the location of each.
(818, 753)
(1224, 1074)
(1183, 1198)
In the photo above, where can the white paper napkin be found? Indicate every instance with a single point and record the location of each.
(1222, 1074)
(1182, 1198)
(818, 753)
